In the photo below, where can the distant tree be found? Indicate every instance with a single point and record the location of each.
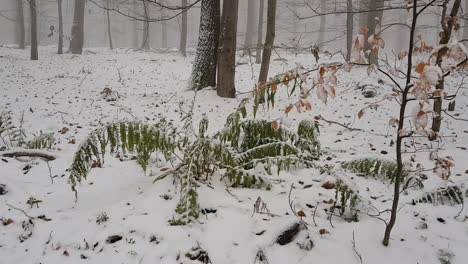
(227, 51)
(447, 31)
(135, 25)
(20, 29)
(323, 21)
(204, 66)
(249, 26)
(60, 17)
(183, 30)
(374, 17)
(349, 28)
(146, 27)
(109, 30)
(258, 56)
(32, 7)
(77, 30)
(269, 41)
(163, 27)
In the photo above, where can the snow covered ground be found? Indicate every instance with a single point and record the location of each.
(63, 91)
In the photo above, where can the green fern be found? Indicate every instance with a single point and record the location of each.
(233, 152)
(376, 168)
(346, 201)
(141, 138)
(450, 195)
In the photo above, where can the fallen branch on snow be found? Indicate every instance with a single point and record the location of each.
(28, 153)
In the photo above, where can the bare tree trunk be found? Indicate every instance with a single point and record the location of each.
(227, 55)
(60, 17)
(109, 31)
(20, 30)
(447, 30)
(204, 66)
(258, 55)
(146, 28)
(371, 23)
(34, 53)
(349, 29)
(363, 6)
(269, 41)
(183, 31)
(465, 24)
(249, 26)
(77, 30)
(323, 21)
(135, 26)
(163, 29)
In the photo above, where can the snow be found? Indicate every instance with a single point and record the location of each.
(64, 91)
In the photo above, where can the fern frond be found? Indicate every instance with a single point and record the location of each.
(376, 168)
(135, 137)
(42, 141)
(450, 195)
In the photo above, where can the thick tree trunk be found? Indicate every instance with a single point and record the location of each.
(20, 30)
(183, 31)
(34, 53)
(258, 55)
(249, 26)
(227, 56)
(109, 31)
(77, 30)
(447, 29)
(60, 29)
(269, 40)
(204, 66)
(323, 21)
(146, 28)
(349, 29)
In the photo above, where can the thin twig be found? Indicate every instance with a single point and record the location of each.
(355, 250)
(21, 210)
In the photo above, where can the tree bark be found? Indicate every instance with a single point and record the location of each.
(183, 31)
(146, 28)
(204, 66)
(447, 29)
(258, 55)
(323, 21)
(77, 30)
(109, 31)
(60, 29)
(227, 56)
(349, 29)
(269, 41)
(34, 53)
(371, 23)
(249, 26)
(20, 30)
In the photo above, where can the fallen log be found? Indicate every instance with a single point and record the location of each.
(27, 153)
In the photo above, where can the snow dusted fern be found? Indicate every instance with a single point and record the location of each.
(234, 153)
(376, 168)
(450, 195)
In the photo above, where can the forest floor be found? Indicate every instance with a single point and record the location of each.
(62, 94)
